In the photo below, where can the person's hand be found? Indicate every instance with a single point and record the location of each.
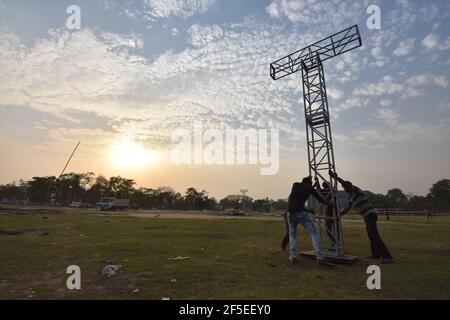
(332, 174)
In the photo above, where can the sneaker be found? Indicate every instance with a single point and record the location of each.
(293, 260)
(387, 260)
(325, 263)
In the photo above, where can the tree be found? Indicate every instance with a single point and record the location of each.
(89, 188)
(70, 187)
(378, 200)
(121, 187)
(440, 195)
(40, 189)
(14, 192)
(211, 204)
(99, 188)
(280, 204)
(245, 202)
(165, 197)
(417, 203)
(196, 200)
(161, 198)
(178, 202)
(262, 205)
(230, 202)
(396, 198)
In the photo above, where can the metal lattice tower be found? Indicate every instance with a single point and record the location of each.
(309, 61)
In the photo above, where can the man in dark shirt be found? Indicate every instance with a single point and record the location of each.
(297, 214)
(325, 192)
(360, 202)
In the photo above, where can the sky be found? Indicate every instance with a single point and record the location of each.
(136, 71)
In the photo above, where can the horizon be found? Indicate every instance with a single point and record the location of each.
(138, 187)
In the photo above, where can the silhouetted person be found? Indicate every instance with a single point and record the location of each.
(428, 215)
(297, 214)
(360, 201)
(325, 192)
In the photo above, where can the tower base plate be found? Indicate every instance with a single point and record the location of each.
(345, 259)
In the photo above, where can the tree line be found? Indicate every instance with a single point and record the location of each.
(89, 188)
(437, 199)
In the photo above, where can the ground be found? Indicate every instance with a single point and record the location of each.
(229, 258)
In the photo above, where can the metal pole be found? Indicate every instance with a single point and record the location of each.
(68, 161)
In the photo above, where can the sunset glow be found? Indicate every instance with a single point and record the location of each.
(130, 155)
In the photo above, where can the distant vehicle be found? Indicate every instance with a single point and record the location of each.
(111, 203)
(79, 204)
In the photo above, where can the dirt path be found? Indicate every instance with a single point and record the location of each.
(190, 216)
(205, 216)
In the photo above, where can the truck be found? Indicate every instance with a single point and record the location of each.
(112, 203)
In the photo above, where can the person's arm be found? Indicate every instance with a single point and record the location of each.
(319, 197)
(347, 208)
(335, 176)
(316, 184)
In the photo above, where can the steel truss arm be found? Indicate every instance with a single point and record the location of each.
(327, 48)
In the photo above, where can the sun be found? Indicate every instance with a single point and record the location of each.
(128, 154)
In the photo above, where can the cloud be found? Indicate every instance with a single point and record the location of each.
(347, 104)
(386, 102)
(434, 41)
(404, 14)
(380, 59)
(387, 86)
(422, 79)
(201, 35)
(274, 9)
(387, 115)
(406, 88)
(443, 106)
(402, 132)
(430, 41)
(429, 13)
(336, 94)
(81, 70)
(312, 12)
(150, 11)
(221, 79)
(181, 8)
(131, 13)
(405, 47)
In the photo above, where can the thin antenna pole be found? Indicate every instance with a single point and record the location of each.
(68, 161)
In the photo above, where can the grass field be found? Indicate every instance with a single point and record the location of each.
(229, 259)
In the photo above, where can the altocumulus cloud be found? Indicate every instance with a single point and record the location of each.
(220, 77)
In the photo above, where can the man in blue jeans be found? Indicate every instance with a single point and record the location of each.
(297, 214)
